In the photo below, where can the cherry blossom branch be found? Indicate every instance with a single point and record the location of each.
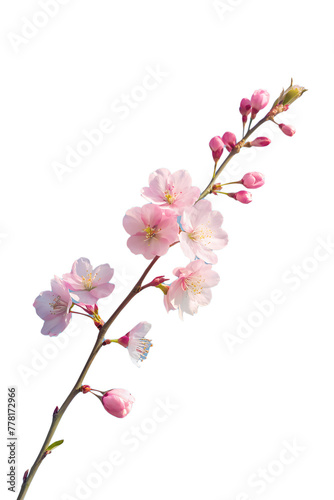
(60, 300)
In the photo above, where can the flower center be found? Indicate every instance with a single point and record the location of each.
(170, 195)
(194, 284)
(150, 232)
(57, 306)
(202, 234)
(88, 281)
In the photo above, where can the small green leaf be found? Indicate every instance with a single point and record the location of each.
(54, 445)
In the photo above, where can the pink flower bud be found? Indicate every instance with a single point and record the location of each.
(118, 402)
(287, 129)
(85, 389)
(245, 108)
(242, 196)
(260, 142)
(259, 100)
(56, 410)
(229, 140)
(156, 282)
(25, 475)
(217, 147)
(253, 180)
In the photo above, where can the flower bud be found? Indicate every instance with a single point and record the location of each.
(259, 100)
(229, 140)
(85, 389)
(217, 147)
(242, 196)
(260, 142)
(287, 129)
(155, 282)
(245, 109)
(25, 475)
(292, 94)
(117, 402)
(289, 96)
(253, 180)
(56, 410)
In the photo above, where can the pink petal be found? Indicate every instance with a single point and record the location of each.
(204, 297)
(82, 267)
(72, 281)
(219, 240)
(42, 305)
(188, 246)
(102, 291)
(86, 297)
(103, 274)
(140, 330)
(181, 180)
(206, 254)
(152, 194)
(157, 246)
(56, 325)
(151, 215)
(188, 198)
(132, 221)
(211, 279)
(137, 243)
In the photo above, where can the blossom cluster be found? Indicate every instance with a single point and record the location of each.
(176, 215)
(83, 287)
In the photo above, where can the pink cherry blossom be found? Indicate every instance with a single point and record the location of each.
(118, 402)
(217, 147)
(89, 284)
(136, 343)
(245, 109)
(192, 288)
(259, 100)
(260, 142)
(171, 190)
(287, 129)
(54, 308)
(152, 230)
(253, 180)
(229, 140)
(202, 232)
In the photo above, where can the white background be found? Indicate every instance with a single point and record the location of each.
(233, 408)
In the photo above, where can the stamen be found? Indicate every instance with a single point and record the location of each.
(142, 348)
(88, 281)
(202, 234)
(194, 284)
(57, 306)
